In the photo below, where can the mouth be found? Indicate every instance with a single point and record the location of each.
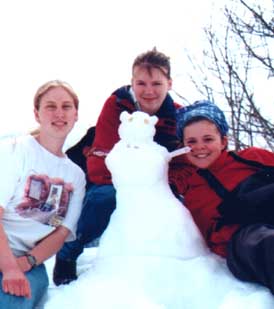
(201, 155)
(149, 99)
(59, 124)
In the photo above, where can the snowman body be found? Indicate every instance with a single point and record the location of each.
(149, 220)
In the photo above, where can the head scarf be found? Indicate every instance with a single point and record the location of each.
(205, 109)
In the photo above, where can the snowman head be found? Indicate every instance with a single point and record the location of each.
(137, 128)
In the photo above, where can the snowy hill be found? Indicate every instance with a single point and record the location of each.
(207, 281)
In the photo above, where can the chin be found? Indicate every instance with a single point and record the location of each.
(200, 164)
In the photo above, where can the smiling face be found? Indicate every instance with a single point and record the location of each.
(57, 112)
(150, 88)
(205, 141)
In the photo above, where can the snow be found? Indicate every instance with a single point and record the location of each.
(140, 282)
(152, 255)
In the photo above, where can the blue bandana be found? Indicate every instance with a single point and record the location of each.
(205, 109)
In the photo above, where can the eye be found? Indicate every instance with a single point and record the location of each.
(146, 121)
(50, 107)
(130, 119)
(140, 83)
(157, 84)
(190, 142)
(208, 139)
(67, 106)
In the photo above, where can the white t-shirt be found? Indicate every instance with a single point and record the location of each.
(38, 191)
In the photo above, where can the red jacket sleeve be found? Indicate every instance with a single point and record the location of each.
(106, 136)
(258, 154)
(179, 170)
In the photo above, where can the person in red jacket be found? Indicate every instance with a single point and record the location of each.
(148, 92)
(248, 248)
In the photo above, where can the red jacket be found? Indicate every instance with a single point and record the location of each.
(106, 134)
(202, 201)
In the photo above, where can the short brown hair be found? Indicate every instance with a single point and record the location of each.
(54, 84)
(153, 59)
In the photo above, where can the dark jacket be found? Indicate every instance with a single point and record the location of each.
(107, 131)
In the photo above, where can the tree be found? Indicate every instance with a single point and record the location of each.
(234, 54)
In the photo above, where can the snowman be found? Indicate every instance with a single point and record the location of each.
(149, 220)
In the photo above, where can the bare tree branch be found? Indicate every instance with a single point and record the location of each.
(229, 60)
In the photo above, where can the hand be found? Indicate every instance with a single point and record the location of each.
(15, 283)
(23, 263)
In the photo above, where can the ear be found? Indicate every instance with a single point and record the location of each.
(224, 142)
(36, 115)
(153, 119)
(169, 84)
(124, 115)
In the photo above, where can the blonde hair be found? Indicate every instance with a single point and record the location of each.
(53, 84)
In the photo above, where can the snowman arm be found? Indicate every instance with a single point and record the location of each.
(180, 151)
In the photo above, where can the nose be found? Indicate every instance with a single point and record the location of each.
(198, 146)
(148, 89)
(59, 112)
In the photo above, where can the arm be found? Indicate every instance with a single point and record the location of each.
(52, 243)
(45, 248)
(180, 169)
(179, 151)
(106, 134)
(14, 281)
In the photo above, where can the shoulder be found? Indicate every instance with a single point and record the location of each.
(258, 154)
(177, 105)
(12, 145)
(121, 99)
(122, 94)
(76, 172)
(15, 152)
(168, 108)
(76, 169)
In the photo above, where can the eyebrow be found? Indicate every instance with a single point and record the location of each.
(194, 137)
(54, 102)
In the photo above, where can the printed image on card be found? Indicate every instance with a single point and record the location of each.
(35, 189)
(45, 199)
(54, 198)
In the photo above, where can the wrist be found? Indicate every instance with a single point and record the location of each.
(31, 259)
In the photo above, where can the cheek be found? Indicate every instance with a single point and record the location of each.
(137, 92)
(219, 147)
(136, 88)
(166, 88)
